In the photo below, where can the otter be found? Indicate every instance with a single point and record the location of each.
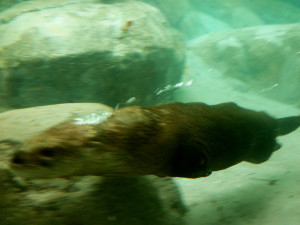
(177, 139)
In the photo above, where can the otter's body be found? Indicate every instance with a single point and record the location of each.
(176, 139)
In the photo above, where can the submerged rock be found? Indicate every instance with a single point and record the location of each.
(217, 15)
(197, 23)
(86, 200)
(242, 13)
(174, 11)
(85, 51)
(90, 201)
(37, 119)
(265, 58)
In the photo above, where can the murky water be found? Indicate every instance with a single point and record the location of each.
(148, 52)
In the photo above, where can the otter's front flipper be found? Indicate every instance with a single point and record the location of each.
(287, 124)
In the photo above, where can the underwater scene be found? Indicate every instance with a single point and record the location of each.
(149, 112)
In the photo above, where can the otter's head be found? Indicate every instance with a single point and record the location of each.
(60, 151)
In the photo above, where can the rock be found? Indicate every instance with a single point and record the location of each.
(37, 119)
(174, 11)
(85, 51)
(90, 201)
(214, 16)
(197, 23)
(86, 200)
(270, 10)
(4, 4)
(249, 13)
(265, 58)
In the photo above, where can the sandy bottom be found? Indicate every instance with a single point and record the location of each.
(264, 194)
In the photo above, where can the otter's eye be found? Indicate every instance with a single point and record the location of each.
(48, 152)
(19, 158)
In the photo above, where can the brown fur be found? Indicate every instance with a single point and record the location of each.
(177, 139)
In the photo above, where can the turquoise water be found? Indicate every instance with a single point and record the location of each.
(122, 53)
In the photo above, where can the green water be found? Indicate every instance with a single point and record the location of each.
(149, 52)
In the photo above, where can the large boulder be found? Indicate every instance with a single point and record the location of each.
(242, 13)
(85, 51)
(174, 11)
(217, 15)
(4, 4)
(266, 59)
(197, 23)
(90, 201)
(87, 200)
(38, 119)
